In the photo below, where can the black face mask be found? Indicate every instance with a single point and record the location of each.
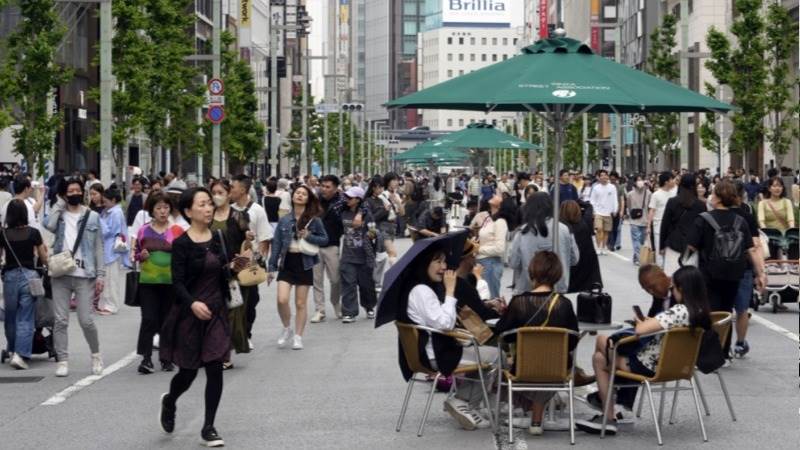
(74, 200)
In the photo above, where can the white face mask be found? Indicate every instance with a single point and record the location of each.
(640, 184)
(219, 200)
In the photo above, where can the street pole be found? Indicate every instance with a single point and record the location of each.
(215, 69)
(340, 149)
(273, 100)
(325, 166)
(363, 153)
(585, 146)
(544, 155)
(369, 146)
(531, 152)
(305, 161)
(106, 88)
(352, 129)
(684, 117)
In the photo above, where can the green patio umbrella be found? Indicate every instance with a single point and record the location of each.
(559, 79)
(427, 150)
(481, 135)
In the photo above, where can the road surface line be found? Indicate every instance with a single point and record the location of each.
(775, 327)
(619, 256)
(62, 396)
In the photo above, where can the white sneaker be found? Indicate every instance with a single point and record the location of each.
(17, 362)
(97, 364)
(459, 410)
(337, 309)
(536, 430)
(318, 317)
(62, 369)
(286, 334)
(250, 345)
(298, 343)
(156, 340)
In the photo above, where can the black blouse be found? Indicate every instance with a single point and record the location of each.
(188, 259)
(530, 309)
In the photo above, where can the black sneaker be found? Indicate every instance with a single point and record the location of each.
(211, 438)
(594, 402)
(146, 366)
(167, 366)
(595, 426)
(167, 414)
(349, 319)
(370, 314)
(741, 349)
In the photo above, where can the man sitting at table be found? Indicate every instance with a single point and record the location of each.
(540, 307)
(656, 283)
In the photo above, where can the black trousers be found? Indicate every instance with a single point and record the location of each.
(357, 282)
(182, 381)
(251, 299)
(156, 301)
(721, 297)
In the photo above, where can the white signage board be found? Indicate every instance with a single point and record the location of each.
(497, 12)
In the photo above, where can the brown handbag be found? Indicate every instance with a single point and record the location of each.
(473, 323)
(253, 274)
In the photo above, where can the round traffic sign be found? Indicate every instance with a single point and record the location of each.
(216, 86)
(216, 114)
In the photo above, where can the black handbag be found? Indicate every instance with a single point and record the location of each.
(132, 288)
(594, 306)
(711, 355)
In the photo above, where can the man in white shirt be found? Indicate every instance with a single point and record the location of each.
(260, 227)
(658, 203)
(605, 204)
(286, 198)
(32, 196)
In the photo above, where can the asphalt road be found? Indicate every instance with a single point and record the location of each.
(345, 391)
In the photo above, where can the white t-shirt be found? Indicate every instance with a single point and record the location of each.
(259, 223)
(658, 201)
(33, 221)
(286, 200)
(604, 199)
(71, 221)
(142, 217)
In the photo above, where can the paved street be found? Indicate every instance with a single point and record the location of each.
(345, 390)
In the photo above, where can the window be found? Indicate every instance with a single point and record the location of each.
(450, 41)
(505, 122)
(494, 41)
(505, 57)
(460, 72)
(449, 122)
(460, 56)
(515, 41)
(483, 41)
(505, 41)
(410, 27)
(494, 57)
(410, 7)
(494, 122)
(461, 122)
(483, 57)
(472, 57)
(449, 73)
(472, 41)
(460, 41)
(470, 120)
(449, 56)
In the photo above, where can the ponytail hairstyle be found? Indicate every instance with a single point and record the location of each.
(692, 285)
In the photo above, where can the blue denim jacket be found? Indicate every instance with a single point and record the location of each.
(112, 222)
(91, 242)
(283, 237)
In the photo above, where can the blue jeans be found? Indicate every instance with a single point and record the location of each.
(745, 292)
(492, 273)
(20, 311)
(637, 236)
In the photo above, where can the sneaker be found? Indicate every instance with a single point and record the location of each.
(211, 438)
(286, 334)
(97, 364)
(145, 367)
(167, 366)
(166, 414)
(518, 422)
(594, 402)
(318, 317)
(459, 410)
(62, 369)
(18, 362)
(337, 309)
(227, 365)
(250, 345)
(349, 319)
(536, 429)
(156, 341)
(298, 343)
(595, 426)
(741, 349)
(370, 314)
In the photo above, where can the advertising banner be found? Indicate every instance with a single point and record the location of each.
(494, 12)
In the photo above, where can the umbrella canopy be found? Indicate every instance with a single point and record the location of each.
(559, 71)
(427, 151)
(480, 135)
(398, 279)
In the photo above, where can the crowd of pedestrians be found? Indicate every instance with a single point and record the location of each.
(188, 247)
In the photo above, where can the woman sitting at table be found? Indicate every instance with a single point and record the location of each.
(691, 310)
(538, 308)
(432, 303)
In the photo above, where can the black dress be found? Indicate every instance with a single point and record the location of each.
(198, 275)
(584, 275)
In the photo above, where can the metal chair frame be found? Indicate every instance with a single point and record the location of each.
(457, 334)
(512, 386)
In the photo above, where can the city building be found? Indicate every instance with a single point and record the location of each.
(448, 52)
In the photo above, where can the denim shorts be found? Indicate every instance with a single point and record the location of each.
(745, 292)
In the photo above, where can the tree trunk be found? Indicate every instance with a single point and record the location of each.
(178, 159)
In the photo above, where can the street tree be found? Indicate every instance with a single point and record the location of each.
(781, 41)
(30, 76)
(663, 63)
(741, 68)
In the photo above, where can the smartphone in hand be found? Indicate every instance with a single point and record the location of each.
(638, 312)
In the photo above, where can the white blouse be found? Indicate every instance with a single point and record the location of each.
(425, 309)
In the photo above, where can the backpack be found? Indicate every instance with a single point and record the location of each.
(725, 259)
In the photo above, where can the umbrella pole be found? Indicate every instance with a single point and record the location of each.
(558, 131)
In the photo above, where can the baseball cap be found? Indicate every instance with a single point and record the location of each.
(354, 192)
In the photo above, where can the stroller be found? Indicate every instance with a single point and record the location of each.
(783, 283)
(43, 330)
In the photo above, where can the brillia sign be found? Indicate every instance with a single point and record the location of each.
(477, 5)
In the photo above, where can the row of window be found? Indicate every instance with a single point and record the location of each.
(484, 41)
(473, 56)
(461, 122)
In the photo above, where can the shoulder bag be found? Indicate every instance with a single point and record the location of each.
(307, 248)
(637, 213)
(253, 274)
(35, 283)
(63, 263)
(132, 287)
(236, 299)
(473, 323)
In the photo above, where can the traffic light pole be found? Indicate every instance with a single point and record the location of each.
(273, 100)
(216, 71)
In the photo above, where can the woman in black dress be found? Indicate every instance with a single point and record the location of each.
(197, 333)
(586, 274)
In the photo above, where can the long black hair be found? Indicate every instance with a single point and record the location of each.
(692, 285)
(687, 190)
(508, 211)
(421, 271)
(538, 208)
(375, 182)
